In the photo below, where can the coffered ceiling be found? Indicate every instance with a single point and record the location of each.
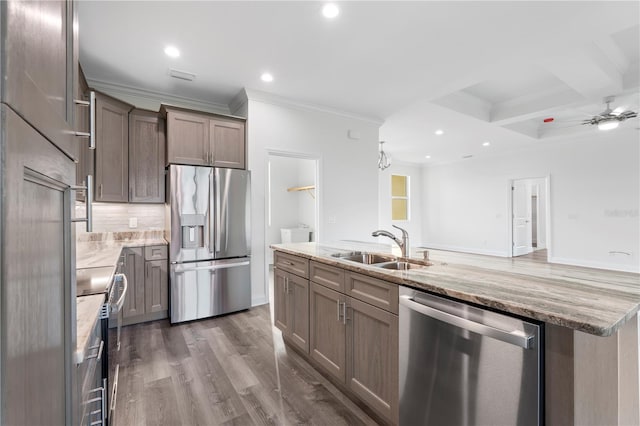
(480, 71)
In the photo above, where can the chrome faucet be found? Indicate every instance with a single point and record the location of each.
(403, 244)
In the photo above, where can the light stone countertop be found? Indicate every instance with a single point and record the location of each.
(87, 313)
(590, 300)
(101, 250)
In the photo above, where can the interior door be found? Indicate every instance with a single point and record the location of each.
(38, 278)
(521, 208)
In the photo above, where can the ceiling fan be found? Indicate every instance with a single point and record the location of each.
(608, 119)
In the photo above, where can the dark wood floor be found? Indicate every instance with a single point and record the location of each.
(231, 370)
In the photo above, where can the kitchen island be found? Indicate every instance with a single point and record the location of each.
(590, 316)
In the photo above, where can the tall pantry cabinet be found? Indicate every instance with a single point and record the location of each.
(38, 147)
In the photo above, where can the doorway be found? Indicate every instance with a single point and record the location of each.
(292, 199)
(530, 216)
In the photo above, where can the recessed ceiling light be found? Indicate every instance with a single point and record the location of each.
(330, 10)
(439, 132)
(266, 77)
(172, 51)
(427, 156)
(486, 143)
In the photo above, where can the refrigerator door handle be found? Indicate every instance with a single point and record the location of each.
(216, 267)
(513, 337)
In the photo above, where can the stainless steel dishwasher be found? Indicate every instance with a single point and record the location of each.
(462, 365)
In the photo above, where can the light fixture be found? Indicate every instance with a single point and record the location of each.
(383, 160)
(608, 124)
(427, 156)
(439, 132)
(486, 143)
(266, 77)
(172, 51)
(330, 10)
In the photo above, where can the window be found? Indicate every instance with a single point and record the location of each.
(399, 197)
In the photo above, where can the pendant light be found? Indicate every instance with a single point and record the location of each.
(383, 160)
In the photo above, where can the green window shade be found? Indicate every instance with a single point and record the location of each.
(398, 186)
(399, 209)
(399, 197)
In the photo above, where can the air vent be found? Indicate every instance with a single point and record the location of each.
(467, 156)
(182, 75)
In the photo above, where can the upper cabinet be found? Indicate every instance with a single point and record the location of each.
(112, 149)
(146, 157)
(40, 66)
(204, 139)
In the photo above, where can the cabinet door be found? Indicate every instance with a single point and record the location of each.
(227, 143)
(112, 149)
(156, 288)
(37, 275)
(298, 294)
(280, 301)
(38, 67)
(372, 357)
(327, 339)
(146, 157)
(188, 139)
(134, 270)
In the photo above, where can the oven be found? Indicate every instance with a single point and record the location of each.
(111, 328)
(102, 370)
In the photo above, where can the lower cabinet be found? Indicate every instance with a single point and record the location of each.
(353, 329)
(291, 307)
(148, 278)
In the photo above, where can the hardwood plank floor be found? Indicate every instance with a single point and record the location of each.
(230, 370)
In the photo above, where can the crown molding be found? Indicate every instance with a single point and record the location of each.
(157, 97)
(260, 96)
(238, 101)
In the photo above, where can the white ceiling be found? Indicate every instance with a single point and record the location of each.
(481, 71)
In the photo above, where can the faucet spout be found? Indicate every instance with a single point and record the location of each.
(403, 244)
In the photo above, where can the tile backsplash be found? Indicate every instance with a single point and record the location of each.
(115, 217)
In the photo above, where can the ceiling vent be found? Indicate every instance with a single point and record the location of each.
(182, 75)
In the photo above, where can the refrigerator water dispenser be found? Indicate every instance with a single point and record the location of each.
(192, 230)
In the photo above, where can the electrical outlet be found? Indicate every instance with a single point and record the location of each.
(133, 222)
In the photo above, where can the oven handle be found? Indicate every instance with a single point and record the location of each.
(125, 287)
(515, 337)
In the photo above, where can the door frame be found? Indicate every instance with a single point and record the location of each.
(267, 199)
(547, 213)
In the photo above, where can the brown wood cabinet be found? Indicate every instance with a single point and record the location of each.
(134, 270)
(112, 149)
(146, 157)
(204, 139)
(40, 60)
(148, 294)
(291, 310)
(328, 331)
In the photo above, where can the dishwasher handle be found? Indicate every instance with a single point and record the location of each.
(515, 337)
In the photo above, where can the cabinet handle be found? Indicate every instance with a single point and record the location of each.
(100, 190)
(91, 134)
(344, 313)
(88, 200)
(338, 303)
(130, 192)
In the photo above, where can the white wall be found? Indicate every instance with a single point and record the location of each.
(347, 190)
(594, 198)
(414, 224)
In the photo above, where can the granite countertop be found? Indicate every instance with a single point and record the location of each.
(87, 313)
(590, 300)
(100, 251)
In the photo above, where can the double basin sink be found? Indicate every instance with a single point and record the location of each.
(381, 260)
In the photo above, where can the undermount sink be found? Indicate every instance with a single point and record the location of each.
(400, 266)
(369, 258)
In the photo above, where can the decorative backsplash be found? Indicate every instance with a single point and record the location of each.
(115, 217)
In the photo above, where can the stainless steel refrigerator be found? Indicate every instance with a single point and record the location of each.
(209, 243)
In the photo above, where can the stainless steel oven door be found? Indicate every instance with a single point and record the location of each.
(116, 303)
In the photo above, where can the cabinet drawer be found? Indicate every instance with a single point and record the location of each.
(328, 276)
(155, 253)
(294, 264)
(373, 291)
